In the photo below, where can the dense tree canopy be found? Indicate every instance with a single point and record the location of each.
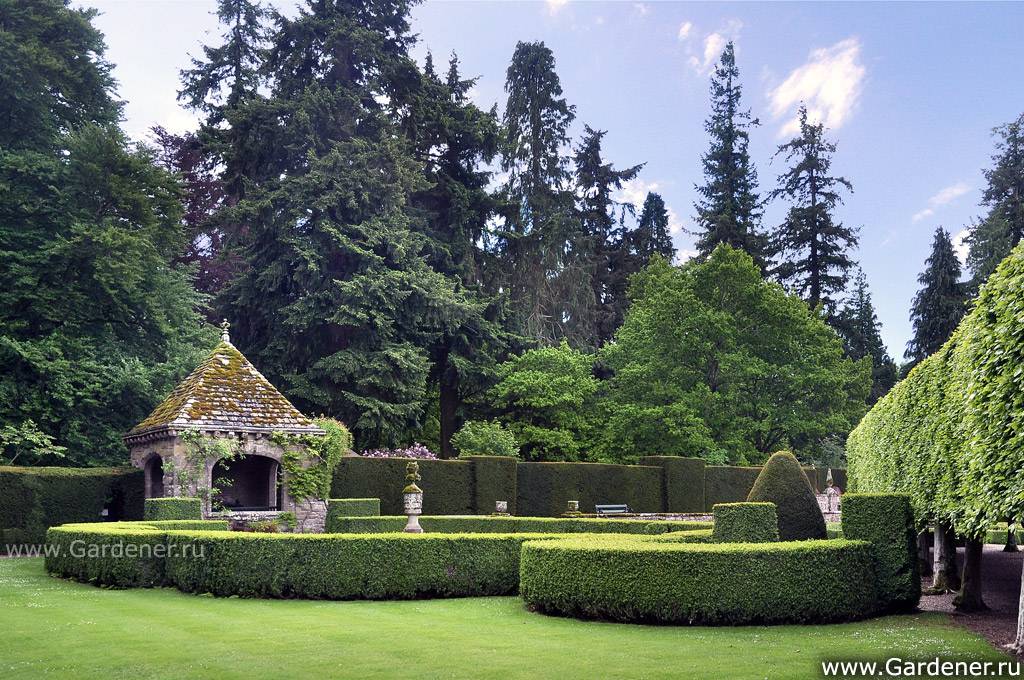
(96, 321)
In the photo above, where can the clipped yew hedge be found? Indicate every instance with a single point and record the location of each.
(483, 524)
(34, 499)
(745, 523)
(886, 521)
(949, 434)
(637, 580)
(352, 507)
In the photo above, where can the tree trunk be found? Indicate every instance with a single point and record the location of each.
(1011, 537)
(448, 410)
(1018, 643)
(969, 597)
(945, 577)
(924, 548)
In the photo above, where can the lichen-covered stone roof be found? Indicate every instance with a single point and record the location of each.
(225, 392)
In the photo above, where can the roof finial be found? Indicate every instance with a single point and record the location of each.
(224, 326)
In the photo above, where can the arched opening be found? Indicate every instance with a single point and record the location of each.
(155, 477)
(246, 483)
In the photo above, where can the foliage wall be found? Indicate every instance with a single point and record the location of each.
(950, 435)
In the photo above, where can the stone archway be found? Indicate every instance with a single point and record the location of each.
(154, 476)
(249, 482)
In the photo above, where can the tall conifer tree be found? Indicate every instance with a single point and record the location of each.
(729, 210)
(539, 230)
(652, 236)
(992, 238)
(940, 303)
(337, 301)
(811, 247)
(607, 243)
(861, 333)
(454, 140)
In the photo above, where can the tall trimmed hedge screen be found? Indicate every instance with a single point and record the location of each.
(35, 499)
(950, 434)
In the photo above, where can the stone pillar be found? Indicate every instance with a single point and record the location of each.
(311, 516)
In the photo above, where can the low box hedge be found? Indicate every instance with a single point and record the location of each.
(116, 554)
(745, 523)
(449, 524)
(639, 580)
(886, 521)
(352, 507)
(173, 508)
(344, 567)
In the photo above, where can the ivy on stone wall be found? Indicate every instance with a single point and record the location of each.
(309, 460)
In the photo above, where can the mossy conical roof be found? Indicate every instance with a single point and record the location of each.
(225, 393)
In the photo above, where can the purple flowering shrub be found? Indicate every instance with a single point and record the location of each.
(417, 450)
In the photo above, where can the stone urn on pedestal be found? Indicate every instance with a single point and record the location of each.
(412, 496)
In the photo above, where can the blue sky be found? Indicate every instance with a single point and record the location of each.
(909, 90)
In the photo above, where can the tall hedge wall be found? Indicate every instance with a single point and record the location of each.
(543, 488)
(728, 484)
(448, 484)
(949, 435)
(35, 499)
(682, 482)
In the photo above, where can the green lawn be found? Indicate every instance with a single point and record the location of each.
(53, 628)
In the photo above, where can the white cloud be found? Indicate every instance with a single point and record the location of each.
(943, 197)
(685, 29)
(641, 8)
(950, 193)
(675, 225)
(555, 6)
(635, 192)
(684, 255)
(922, 214)
(960, 245)
(829, 84)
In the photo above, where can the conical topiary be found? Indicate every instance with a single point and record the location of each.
(782, 481)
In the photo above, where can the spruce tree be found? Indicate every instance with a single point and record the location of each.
(811, 247)
(96, 321)
(338, 302)
(652, 236)
(992, 238)
(940, 303)
(729, 210)
(858, 326)
(539, 231)
(606, 245)
(455, 140)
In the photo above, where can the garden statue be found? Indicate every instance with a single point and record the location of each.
(832, 492)
(413, 496)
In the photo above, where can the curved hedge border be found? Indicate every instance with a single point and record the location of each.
(949, 435)
(120, 554)
(194, 558)
(475, 524)
(728, 583)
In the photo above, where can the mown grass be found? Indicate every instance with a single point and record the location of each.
(51, 628)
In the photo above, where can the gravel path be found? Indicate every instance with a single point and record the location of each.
(1001, 589)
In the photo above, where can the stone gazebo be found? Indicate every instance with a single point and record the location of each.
(225, 397)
